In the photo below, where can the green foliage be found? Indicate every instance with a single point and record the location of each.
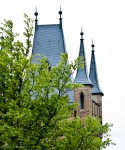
(34, 109)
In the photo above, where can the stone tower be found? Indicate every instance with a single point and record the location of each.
(83, 95)
(49, 41)
(96, 90)
(89, 97)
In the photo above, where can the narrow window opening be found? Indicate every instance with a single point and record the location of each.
(93, 108)
(81, 101)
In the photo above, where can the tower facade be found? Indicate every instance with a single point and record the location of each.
(49, 41)
(89, 97)
(96, 90)
(83, 95)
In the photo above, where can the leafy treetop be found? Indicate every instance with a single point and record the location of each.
(34, 109)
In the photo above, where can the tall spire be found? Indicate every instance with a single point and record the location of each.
(82, 74)
(60, 19)
(36, 20)
(93, 75)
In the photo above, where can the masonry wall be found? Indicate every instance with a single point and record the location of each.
(86, 91)
(97, 105)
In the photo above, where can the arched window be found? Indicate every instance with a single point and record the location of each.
(81, 101)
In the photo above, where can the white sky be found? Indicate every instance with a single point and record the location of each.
(102, 20)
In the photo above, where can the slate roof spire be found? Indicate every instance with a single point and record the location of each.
(82, 74)
(93, 75)
(36, 20)
(60, 19)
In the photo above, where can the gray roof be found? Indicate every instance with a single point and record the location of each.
(71, 96)
(82, 74)
(49, 41)
(94, 75)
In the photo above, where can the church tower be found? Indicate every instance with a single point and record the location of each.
(49, 41)
(83, 95)
(96, 90)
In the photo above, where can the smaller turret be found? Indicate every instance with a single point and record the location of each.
(82, 74)
(93, 75)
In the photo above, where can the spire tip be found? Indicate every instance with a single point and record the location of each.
(92, 45)
(36, 13)
(60, 19)
(81, 34)
(60, 12)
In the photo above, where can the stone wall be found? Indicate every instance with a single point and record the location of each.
(97, 105)
(86, 91)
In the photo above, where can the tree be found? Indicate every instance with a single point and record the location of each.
(34, 109)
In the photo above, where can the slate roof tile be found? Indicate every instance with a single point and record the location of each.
(48, 41)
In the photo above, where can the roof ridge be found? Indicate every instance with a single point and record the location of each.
(48, 24)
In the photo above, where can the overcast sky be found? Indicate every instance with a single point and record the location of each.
(104, 22)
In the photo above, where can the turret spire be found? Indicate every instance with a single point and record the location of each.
(82, 74)
(36, 20)
(60, 19)
(93, 75)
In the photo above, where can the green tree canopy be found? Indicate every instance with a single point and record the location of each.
(34, 109)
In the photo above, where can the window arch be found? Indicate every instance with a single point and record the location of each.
(81, 101)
